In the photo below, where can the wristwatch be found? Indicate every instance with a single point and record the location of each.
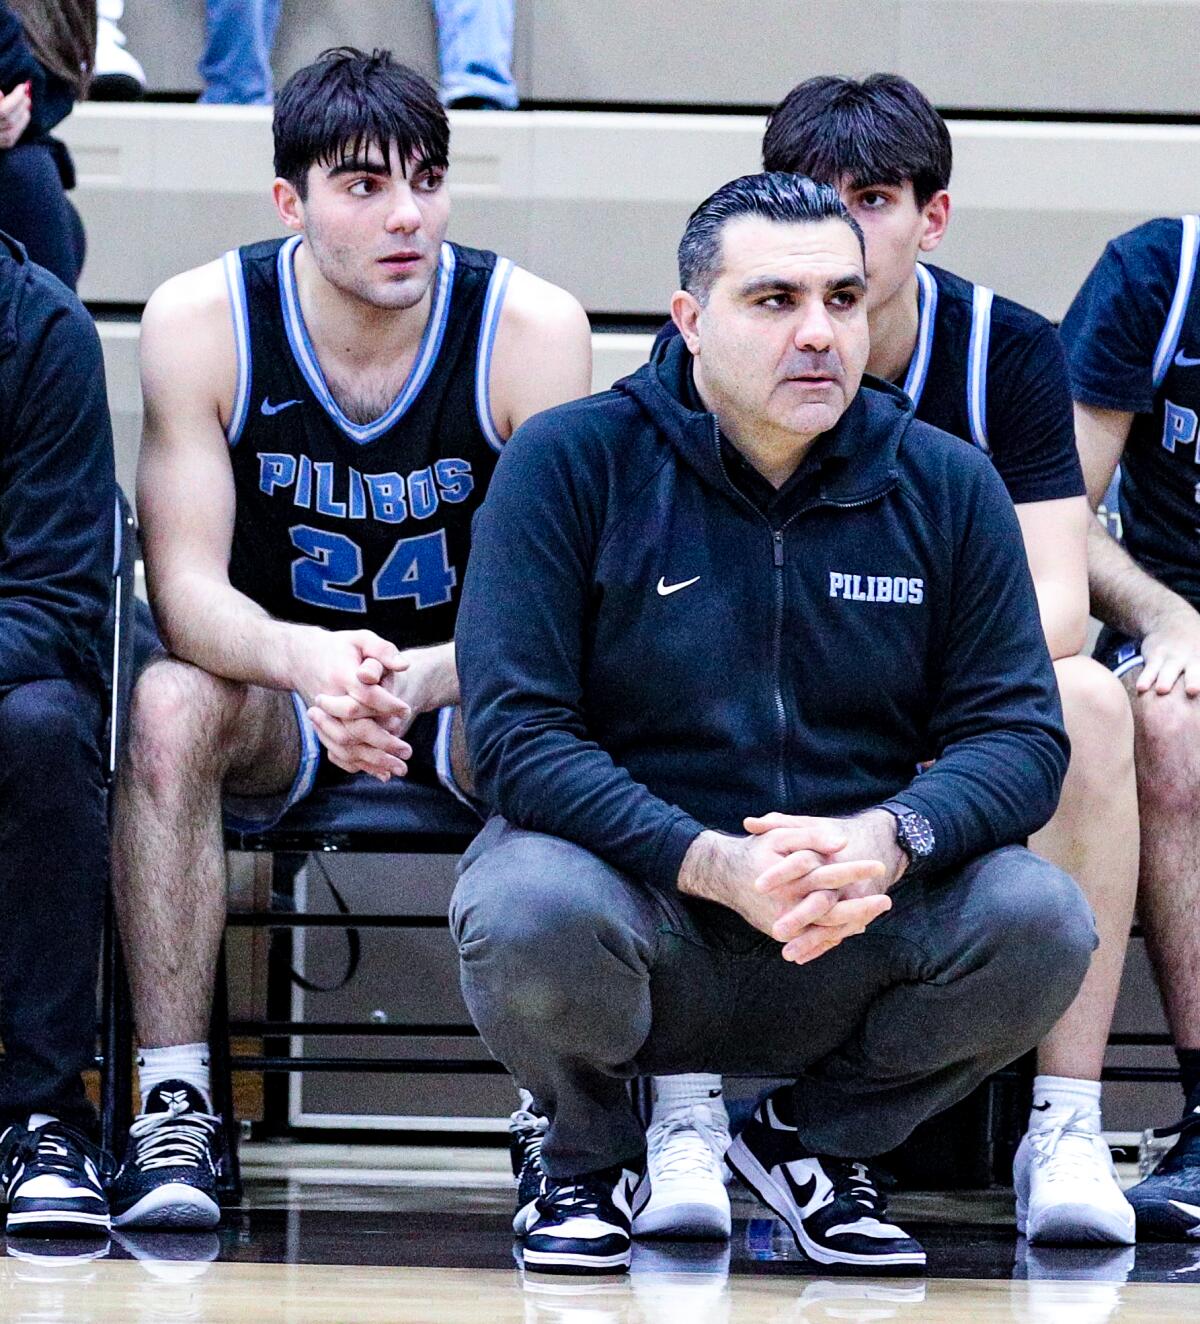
(914, 834)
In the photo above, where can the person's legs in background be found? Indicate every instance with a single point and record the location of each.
(119, 75)
(475, 46)
(236, 64)
(53, 875)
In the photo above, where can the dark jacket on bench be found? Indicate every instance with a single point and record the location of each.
(57, 488)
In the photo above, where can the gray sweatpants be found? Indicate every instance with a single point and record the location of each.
(579, 977)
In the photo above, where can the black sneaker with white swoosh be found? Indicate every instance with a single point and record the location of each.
(832, 1206)
(581, 1225)
(169, 1176)
(52, 1178)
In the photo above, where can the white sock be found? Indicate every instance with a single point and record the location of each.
(679, 1091)
(39, 1119)
(186, 1062)
(1055, 1095)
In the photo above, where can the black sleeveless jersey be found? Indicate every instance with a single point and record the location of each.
(347, 525)
(1132, 336)
(992, 372)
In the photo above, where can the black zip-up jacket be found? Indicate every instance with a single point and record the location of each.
(645, 652)
(57, 488)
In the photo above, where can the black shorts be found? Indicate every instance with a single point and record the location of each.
(1118, 652)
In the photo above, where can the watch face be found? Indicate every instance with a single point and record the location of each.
(916, 835)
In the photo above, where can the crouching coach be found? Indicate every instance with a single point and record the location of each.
(713, 622)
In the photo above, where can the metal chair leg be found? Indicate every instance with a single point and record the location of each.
(116, 1080)
(229, 1184)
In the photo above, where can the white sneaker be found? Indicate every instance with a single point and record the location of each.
(1066, 1186)
(119, 76)
(685, 1145)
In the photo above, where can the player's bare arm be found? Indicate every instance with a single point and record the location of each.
(1123, 594)
(186, 507)
(1055, 535)
(543, 353)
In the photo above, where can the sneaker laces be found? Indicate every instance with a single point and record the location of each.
(176, 1137)
(673, 1145)
(58, 1148)
(1066, 1159)
(528, 1130)
(569, 1199)
(856, 1182)
(1187, 1125)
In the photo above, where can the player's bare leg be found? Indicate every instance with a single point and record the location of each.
(1093, 836)
(191, 734)
(460, 761)
(1167, 746)
(1066, 1187)
(1167, 733)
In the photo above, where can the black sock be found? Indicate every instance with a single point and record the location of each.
(1189, 1070)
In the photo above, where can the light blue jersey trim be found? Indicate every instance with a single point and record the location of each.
(1137, 660)
(977, 365)
(1189, 243)
(441, 758)
(306, 357)
(918, 368)
(235, 283)
(492, 308)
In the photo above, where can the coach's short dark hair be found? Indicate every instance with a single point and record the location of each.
(775, 196)
(882, 130)
(345, 102)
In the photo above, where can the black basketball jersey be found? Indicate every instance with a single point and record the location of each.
(344, 524)
(1132, 335)
(992, 372)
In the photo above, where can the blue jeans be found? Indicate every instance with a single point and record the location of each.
(236, 64)
(475, 41)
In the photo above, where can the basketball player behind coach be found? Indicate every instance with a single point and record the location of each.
(323, 416)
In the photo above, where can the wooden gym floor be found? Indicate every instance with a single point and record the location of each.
(337, 1236)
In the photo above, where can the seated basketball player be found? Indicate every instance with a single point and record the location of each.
(56, 559)
(1133, 344)
(751, 590)
(991, 372)
(323, 414)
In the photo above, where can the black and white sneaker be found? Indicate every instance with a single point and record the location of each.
(832, 1206)
(581, 1225)
(169, 1176)
(52, 1177)
(1167, 1202)
(526, 1130)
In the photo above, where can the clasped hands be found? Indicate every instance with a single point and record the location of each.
(363, 694)
(810, 883)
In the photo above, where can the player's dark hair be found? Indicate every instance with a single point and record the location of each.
(776, 196)
(346, 102)
(882, 130)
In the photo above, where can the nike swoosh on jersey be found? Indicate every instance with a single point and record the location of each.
(665, 590)
(1182, 361)
(267, 408)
